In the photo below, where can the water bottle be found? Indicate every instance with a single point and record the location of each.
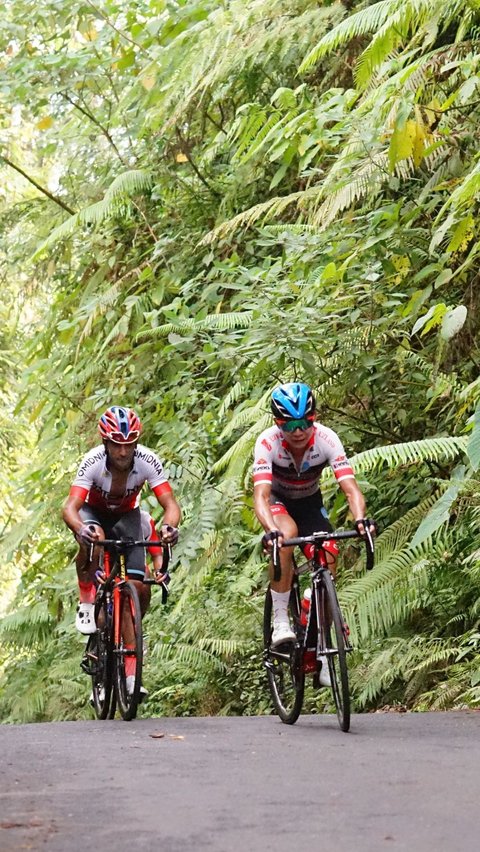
(305, 606)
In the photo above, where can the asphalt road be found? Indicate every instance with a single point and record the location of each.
(395, 782)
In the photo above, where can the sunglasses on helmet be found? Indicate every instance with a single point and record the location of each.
(292, 425)
(119, 437)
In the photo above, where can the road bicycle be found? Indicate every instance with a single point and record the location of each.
(325, 633)
(117, 611)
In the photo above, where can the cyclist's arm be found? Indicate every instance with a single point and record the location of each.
(171, 510)
(355, 498)
(70, 513)
(261, 496)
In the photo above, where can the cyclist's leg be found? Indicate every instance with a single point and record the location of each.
(288, 527)
(87, 565)
(149, 532)
(87, 562)
(129, 525)
(280, 589)
(313, 517)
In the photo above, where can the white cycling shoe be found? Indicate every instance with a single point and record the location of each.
(101, 697)
(85, 618)
(324, 674)
(130, 680)
(282, 632)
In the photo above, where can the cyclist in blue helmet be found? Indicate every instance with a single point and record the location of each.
(289, 459)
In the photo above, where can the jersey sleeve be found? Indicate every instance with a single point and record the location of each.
(262, 463)
(339, 462)
(83, 481)
(156, 476)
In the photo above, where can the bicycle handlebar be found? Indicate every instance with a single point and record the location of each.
(121, 543)
(319, 537)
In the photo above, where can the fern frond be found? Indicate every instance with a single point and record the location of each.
(367, 179)
(225, 648)
(250, 414)
(240, 450)
(374, 603)
(431, 449)
(192, 655)
(391, 20)
(121, 188)
(399, 533)
(365, 21)
(217, 322)
(238, 390)
(267, 209)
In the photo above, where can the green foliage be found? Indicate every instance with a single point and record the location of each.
(199, 200)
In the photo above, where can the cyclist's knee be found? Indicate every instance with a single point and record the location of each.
(287, 526)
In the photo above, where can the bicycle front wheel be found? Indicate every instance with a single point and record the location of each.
(99, 650)
(336, 652)
(283, 663)
(128, 691)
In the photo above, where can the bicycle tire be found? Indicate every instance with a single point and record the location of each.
(284, 666)
(128, 703)
(100, 646)
(336, 653)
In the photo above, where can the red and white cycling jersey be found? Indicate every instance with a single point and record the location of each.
(275, 464)
(93, 482)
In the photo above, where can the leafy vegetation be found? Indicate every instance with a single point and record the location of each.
(201, 198)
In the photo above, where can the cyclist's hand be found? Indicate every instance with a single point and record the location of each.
(169, 534)
(269, 537)
(363, 524)
(87, 534)
(158, 576)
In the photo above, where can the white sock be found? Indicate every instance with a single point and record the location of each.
(280, 606)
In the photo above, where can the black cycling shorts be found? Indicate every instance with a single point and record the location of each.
(309, 513)
(128, 525)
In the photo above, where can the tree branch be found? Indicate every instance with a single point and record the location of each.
(95, 121)
(186, 152)
(38, 186)
(113, 27)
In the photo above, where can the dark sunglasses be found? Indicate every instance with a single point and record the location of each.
(292, 425)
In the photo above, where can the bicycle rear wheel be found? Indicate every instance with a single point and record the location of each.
(336, 652)
(99, 651)
(128, 700)
(284, 666)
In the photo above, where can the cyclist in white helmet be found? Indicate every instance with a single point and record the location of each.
(104, 503)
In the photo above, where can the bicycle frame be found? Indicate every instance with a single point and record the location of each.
(321, 641)
(118, 580)
(118, 598)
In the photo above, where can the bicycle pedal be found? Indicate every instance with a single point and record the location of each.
(90, 664)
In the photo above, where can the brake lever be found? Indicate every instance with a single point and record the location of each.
(277, 571)
(370, 548)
